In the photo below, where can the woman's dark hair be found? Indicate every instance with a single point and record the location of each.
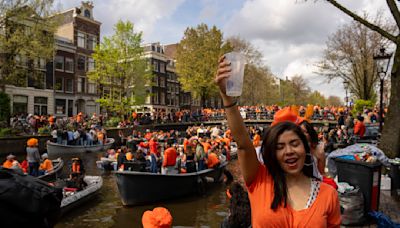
(269, 148)
(240, 211)
(311, 132)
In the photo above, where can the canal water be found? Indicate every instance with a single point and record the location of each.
(106, 210)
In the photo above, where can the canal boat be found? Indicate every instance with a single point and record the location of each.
(106, 164)
(138, 188)
(55, 148)
(73, 200)
(51, 176)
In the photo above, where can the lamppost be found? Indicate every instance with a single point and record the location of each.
(346, 87)
(382, 60)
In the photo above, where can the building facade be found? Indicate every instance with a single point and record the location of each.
(80, 29)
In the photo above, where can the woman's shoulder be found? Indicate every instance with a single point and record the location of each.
(327, 191)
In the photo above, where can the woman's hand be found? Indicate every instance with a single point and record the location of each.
(223, 72)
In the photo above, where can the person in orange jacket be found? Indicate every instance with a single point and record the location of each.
(11, 163)
(46, 166)
(212, 160)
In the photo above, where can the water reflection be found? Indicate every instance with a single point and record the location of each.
(106, 210)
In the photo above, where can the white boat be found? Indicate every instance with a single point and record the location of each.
(55, 148)
(94, 184)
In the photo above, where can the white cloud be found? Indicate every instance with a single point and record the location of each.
(292, 35)
(144, 14)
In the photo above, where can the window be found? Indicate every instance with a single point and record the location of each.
(87, 13)
(60, 106)
(81, 62)
(80, 88)
(169, 99)
(70, 107)
(90, 64)
(155, 98)
(92, 88)
(59, 84)
(91, 42)
(162, 98)
(69, 85)
(40, 63)
(59, 63)
(162, 82)
(20, 104)
(81, 40)
(106, 92)
(40, 106)
(155, 66)
(69, 65)
(156, 80)
(162, 67)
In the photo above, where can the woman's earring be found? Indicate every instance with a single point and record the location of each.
(311, 159)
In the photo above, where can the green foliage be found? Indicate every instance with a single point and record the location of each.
(27, 37)
(44, 130)
(5, 132)
(113, 121)
(5, 108)
(121, 68)
(316, 98)
(197, 60)
(360, 105)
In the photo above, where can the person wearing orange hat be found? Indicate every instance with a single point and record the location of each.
(282, 191)
(159, 217)
(33, 156)
(11, 163)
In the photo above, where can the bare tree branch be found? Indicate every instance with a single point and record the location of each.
(363, 21)
(394, 10)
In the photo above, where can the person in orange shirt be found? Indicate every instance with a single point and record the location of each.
(257, 139)
(279, 190)
(169, 160)
(212, 160)
(46, 166)
(11, 163)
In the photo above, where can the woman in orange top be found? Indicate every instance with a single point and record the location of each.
(283, 192)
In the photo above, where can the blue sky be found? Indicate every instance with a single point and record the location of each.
(291, 34)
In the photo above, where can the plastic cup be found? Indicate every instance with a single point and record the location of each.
(234, 83)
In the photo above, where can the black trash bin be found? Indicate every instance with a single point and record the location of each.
(394, 179)
(367, 176)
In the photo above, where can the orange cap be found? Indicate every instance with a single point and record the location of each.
(159, 217)
(32, 142)
(286, 114)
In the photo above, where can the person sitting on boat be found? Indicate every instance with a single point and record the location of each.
(11, 163)
(111, 155)
(77, 166)
(129, 155)
(190, 159)
(169, 160)
(46, 166)
(159, 217)
(212, 160)
(75, 182)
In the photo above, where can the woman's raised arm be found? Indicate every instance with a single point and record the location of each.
(246, 153)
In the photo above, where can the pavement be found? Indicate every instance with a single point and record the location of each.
(389, 206)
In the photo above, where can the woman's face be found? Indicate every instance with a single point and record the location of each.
(290, 153)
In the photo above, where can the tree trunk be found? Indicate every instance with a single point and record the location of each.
(390, 142)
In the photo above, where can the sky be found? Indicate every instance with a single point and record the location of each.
(291, 34)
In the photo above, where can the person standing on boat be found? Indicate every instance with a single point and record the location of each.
(169, 160)
(200, 155)
(153, 144)
(33, 156)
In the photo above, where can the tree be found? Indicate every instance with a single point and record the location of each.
(390, 142)
(349, 56)
(300, 90)
(121, 70)
(334, 101)
(197, 60)
(259, 85)
(316, 98)
(27, 41)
